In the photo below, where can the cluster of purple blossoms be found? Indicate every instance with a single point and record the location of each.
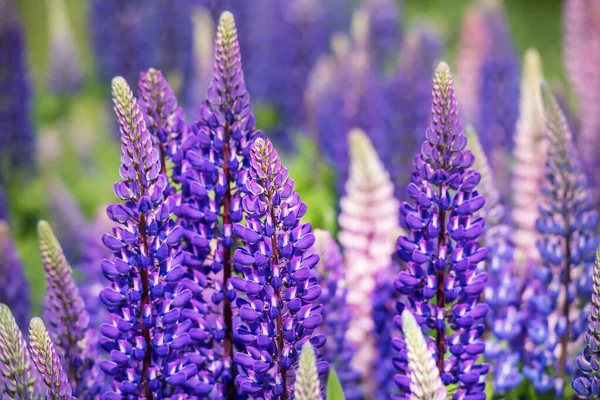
(277, 313)
(561, 288)
(442, 284)
(68, 321)
(146, 335)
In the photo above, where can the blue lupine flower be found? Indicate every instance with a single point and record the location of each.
(14, 286)
(17, 141)
(505, 321)
(562, 285)
(213, 175)
(67, 319)
(277, 312)
(442, 250)
(144, 335)
(338, 351)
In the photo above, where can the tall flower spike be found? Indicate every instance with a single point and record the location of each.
(46, 361)
(338, 351)
(582, 53)
(587, 382)
(425, 382)
(213, 175)
(306, 385)
(505, 320)
(17, 374)
(14, 286)
(562, 285)
(385, 33)
(442, 284)
(17, 143)
(147, 294)
(368, 225)
(65, 75)
(528, 169)
(66, 315)
(277, 312)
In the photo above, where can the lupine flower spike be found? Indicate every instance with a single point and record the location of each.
(144, 337)
(213, 175)
(587, 382)
(306, 385)
(46, 361)
(65, 313)
(528, 169)
(442, 284)
(277, 313)
(562, 285)
(505, 321)
(338, 351)
(368, 224)
(14, 286)
(18, 376)
(424, 379)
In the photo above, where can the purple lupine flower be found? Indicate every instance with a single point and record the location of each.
(587, 384)
(306, 382)
(124, 37)
(498, 94)
(353, 99)
(409, 94)
(92, 279)
(45, 359)
(175, 41)
(17, 142)
(442, 249)
(164, 119)
(213, 175)
(368, 225)
(67, 318)
(582, 54)
(384, 30)
(18, 379)
(562, 284)
(338, 351)
(65, 75)
(505, 321)
(68, 218)
(144, 337)
(529, 153)
(277, 312)
(14, 286)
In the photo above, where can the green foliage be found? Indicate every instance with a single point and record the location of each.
(334, 387)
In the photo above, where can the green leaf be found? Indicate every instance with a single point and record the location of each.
(334, 387)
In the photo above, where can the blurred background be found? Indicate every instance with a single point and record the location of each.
(313, 69)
